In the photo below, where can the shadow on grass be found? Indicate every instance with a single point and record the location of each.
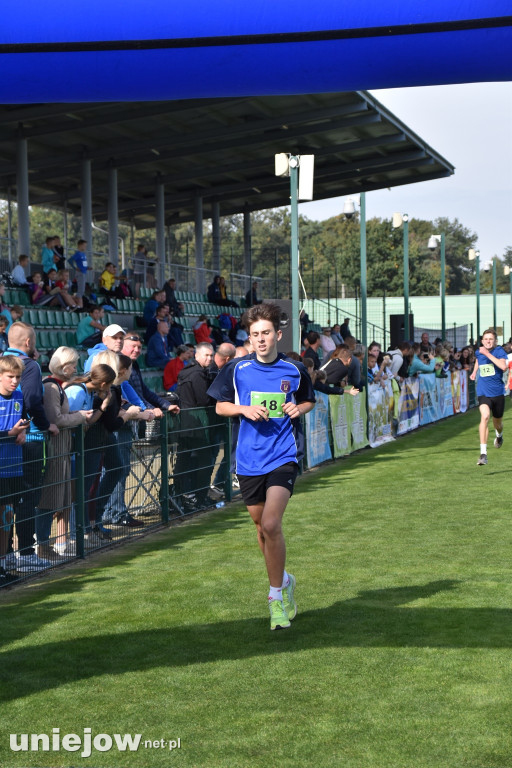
(373, 619)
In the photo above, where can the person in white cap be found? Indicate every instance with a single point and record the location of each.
(113, 337)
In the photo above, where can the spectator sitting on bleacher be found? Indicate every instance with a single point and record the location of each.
(213, 292)
(107, 281)
(176, 307)
(157, 355)
(123, 290)
(327, 343)
(41, 293)
(63, 283)
(251, 297)
(48, 256)
(202, 331)
(174, 366)
(224, 300)
(86, 336)
(112, 339)
(152, 305)
(12, 314)
(160, 314)
(18, 274)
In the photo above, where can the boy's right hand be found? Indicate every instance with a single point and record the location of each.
(255, 412)
(19, 427)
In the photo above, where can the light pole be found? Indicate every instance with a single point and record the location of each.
(433, 242)
(288, 165)
(398, 220)
(494, 314)
(475, 256)
(349, 210)
(508, 271)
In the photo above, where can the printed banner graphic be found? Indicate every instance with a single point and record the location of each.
(317, 431)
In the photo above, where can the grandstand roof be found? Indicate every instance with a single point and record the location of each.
(219, 149)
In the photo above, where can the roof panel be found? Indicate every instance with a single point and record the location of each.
(220, 149)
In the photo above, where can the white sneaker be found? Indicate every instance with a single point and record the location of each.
(66, 550)
(26, 563)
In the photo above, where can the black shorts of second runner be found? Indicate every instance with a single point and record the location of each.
(496, 404)
(254, 487)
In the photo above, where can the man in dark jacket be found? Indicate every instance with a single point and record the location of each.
(22, 344)
(132, 347)
(196, 457)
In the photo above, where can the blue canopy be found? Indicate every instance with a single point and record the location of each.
(103, 50)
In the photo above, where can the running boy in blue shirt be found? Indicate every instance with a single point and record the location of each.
(266, 393)
(490, 362)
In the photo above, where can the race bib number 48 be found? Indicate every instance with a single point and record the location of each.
(486, 370)
(272, 401)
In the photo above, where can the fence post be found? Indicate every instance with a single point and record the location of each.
(228, 485)
(79, 490)
(164, 467)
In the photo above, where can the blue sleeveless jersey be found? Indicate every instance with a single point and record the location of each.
(261, 446)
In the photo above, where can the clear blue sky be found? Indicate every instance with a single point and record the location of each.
(471, 126)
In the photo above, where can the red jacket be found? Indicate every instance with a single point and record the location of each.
(171, 371)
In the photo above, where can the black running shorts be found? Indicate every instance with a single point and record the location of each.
(496, 404)
(254, 487)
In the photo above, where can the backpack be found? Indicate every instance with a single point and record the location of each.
(52, 380)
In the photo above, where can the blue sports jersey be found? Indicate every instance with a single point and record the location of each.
(490, 377)
(261, 446)
(11, 457)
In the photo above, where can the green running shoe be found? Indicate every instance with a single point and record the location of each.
(278, 617)
(289, 603)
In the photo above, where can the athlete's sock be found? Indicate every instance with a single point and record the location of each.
(498, 434)
(286, 580)
(483, 448)
(275, 593)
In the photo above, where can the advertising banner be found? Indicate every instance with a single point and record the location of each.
(339, 425)
(444, 396)
(356, 412)
(428, 399)
(317, 431)
(380, 413)
(464, 390)
(408, 408)
(456, 385)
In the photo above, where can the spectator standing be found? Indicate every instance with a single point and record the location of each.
(58, 250)
(313, 339)
(327, 344)
(132, 347)
(56, 496)
(48, 256)
(344, 328)
(174, 366)
(13, 427)
(22, 344)
(419, 366)
(111, 339)
(4, 341)
(194, 464)
(80, 264)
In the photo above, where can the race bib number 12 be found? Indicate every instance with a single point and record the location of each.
(272, 401)
(486, 370)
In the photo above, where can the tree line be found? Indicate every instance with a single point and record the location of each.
(329, 250)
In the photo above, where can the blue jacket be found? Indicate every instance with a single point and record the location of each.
(31, 385)
(150, 398)
(157, 355)
(101, 347)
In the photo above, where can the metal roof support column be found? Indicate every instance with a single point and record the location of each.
(160, 230)
(247, 247)
(216, 236)
(198, 238)
(22, 196)
(86, 200)
(9, 228)
(112, 208)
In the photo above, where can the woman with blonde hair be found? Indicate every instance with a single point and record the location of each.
(56, 497)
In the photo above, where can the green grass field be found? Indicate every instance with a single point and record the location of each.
(400, 656)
